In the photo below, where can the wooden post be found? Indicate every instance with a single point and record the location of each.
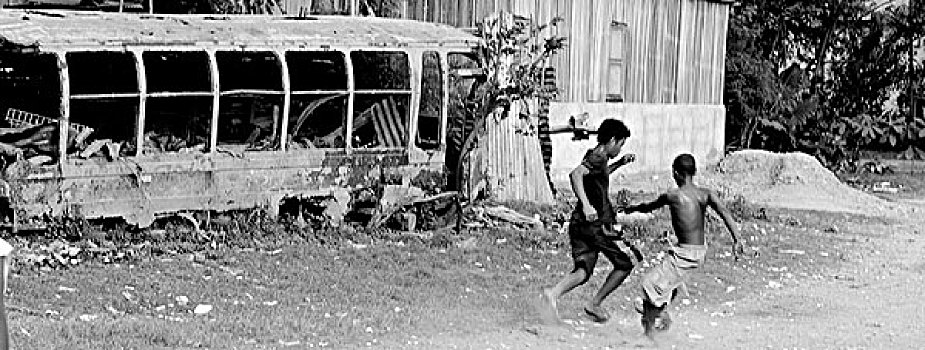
(216, 100)
(351, 90)
(64, 110)
(445, 104)
(5, 250)
(287, 100)
(142, 101)
(416, 62)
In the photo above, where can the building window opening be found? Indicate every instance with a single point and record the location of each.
(382, 99)
(177, 124)
(104, 99)
(251, 102)
(318, 112)
(30, 100)
(430, 111)
(179, 105)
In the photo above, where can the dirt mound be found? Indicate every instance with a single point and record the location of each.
(791, 180)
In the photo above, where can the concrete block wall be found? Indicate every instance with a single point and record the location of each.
(659, 133)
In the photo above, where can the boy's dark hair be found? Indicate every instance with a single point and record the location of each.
(612, 129)
(684, 165)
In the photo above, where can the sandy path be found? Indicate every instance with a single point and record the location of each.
(869, 302)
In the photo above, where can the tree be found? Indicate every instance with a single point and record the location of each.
(514, 55)
(816, 76)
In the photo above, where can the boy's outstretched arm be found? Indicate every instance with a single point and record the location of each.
(624, 160)
(648, 206)
(716, 203)
(577, 177)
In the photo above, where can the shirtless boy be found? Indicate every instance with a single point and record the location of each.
(590, 228)
(687, 204)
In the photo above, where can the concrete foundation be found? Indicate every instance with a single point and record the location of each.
(659, 133)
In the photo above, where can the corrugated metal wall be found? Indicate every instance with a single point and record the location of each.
(674, 50)
(651, 49)
(508, 163)
(306, 7)
(702, 52)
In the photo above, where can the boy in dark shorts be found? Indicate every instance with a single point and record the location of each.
(591, 225)
(688, 205)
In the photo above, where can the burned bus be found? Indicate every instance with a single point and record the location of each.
(140, 116)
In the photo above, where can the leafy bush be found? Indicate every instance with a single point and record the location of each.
(829, 78)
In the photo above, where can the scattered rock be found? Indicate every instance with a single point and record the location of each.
(793, 251)
(468, 243)
(289, 343)
(113, 310)
(202, 309)
(885, 187)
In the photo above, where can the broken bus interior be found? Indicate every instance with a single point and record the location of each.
(136, 116)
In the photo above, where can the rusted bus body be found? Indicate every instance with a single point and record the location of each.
(210, 113)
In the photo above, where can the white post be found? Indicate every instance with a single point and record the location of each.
(142, 101)
(351, 89)
(287, 100)
(64, 110)
(5, 250)
(216, 101)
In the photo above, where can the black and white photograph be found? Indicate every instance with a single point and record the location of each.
(462, 174)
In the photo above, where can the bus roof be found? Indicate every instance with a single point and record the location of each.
(71, 30)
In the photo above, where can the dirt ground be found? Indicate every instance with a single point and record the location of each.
(868, 299)
(824, 278)
(868, 302)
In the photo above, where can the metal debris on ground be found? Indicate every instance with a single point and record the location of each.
(32, 135)
(469, 243)
(885, 187)
(62, 254)
(493, 216)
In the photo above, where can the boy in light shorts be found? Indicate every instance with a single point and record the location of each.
(688, 205)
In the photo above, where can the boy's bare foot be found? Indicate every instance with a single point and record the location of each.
(662, 322)
(549, 310)
(650, 318)
(597, 313)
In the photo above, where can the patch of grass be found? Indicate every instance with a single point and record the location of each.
(913, 184)
(273, 286)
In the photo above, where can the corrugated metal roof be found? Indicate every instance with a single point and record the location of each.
(71, 29)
